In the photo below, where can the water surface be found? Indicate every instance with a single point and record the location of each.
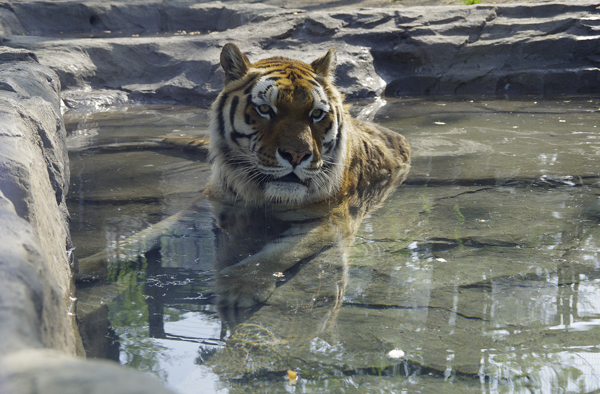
(479, 274)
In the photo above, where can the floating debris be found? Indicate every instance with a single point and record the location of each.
(292, 377)
(396, 353)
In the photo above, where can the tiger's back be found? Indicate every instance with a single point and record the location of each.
(280, 134)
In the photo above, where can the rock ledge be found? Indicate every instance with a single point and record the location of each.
(168, 51)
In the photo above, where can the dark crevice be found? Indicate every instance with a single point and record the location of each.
(586, 180)
(118, 202)
(401, 307)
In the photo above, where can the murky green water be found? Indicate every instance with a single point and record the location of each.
(480, 273)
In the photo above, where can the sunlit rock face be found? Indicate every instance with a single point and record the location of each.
(170, 50)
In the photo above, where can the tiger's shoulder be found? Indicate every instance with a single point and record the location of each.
(280, 134)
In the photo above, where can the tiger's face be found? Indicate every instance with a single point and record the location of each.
(277, 129)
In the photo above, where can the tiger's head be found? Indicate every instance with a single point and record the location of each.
(277, 130)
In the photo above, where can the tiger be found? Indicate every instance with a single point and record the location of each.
(280, 134)
(293, 176)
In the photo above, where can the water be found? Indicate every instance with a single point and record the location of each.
(479, 274)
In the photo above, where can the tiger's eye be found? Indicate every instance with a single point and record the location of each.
(316, 113)
(264, 109)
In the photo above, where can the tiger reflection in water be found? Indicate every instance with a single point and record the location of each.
(293, 177)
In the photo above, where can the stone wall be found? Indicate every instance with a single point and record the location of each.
(34, 178)
(40, 341)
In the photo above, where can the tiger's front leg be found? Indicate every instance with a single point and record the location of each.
(257, 250)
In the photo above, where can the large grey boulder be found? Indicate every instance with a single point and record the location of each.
(40, 340)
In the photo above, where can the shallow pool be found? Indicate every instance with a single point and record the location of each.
(480, 273)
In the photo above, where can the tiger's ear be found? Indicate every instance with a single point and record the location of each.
(234, 62)
(325, 65)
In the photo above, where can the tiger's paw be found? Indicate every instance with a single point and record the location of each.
(239, 287)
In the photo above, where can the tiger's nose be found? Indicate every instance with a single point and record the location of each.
(295, 157)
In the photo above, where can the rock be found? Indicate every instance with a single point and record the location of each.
(96, 100)
(35, 371)
(34, 178)
(39, 334)
(9, 23)
(126, 18)
(501, 49)
(29, 317)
